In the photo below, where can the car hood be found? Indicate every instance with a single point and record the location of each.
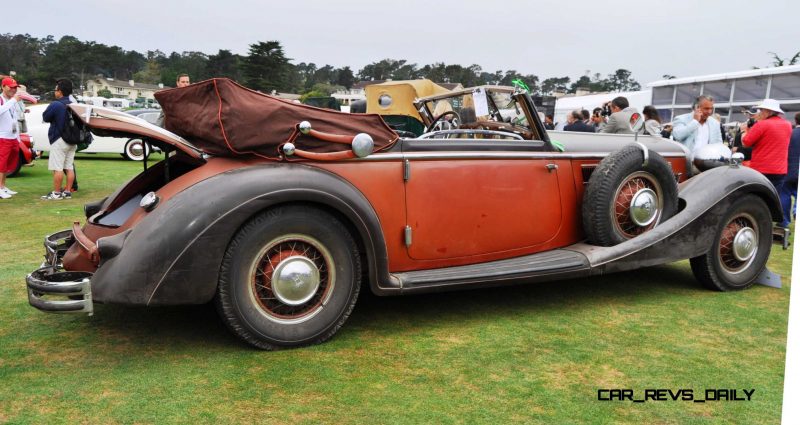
(112, 123)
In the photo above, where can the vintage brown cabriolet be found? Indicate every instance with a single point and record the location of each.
(278, 212)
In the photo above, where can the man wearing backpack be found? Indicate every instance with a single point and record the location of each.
(62, 154)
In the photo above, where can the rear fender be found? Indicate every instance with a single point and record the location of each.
(173, 256)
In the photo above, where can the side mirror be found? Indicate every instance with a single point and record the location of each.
(636, 122)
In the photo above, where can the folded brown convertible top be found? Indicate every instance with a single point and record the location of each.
(224, 118)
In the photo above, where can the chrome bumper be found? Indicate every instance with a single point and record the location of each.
(54, 290)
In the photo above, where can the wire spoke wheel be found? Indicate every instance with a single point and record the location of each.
(638, 204)
(740, 248)
(738, 243)
(628, 195)
(292, 278)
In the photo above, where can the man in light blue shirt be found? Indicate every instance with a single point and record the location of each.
(697, 128)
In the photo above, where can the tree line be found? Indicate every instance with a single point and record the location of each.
(39, 62)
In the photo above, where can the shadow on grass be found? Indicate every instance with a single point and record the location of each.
(190, 325)
(174, 326)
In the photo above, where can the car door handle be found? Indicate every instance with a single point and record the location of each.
(551, 167)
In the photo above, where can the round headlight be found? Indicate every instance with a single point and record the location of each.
(149, 201)
(384, 101)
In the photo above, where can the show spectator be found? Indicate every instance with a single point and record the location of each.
(736, 145)
(769, 137)
(652, 123)
(586, 116)
(789, 187)
(62, 154)
(619, 121)
(9, 133)
(722, 131)
(697, 128)
(575, 123)
(548, 122)
(182, 81)
(598, 121)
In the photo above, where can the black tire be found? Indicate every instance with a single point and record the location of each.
(614, 183)
(20, 162)
(248, 298)
(720, 268)
(136, 150)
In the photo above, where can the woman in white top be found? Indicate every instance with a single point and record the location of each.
(652, 123)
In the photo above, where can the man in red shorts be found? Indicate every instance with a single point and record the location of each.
(9, 133)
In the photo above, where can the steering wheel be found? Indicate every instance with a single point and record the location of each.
(436, 120)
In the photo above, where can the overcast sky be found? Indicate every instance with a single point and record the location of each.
(548, 39)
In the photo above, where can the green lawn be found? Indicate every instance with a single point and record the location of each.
(525, 354)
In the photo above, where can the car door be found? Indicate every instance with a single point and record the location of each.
(485, 200)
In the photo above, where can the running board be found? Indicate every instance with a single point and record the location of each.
(550, 265)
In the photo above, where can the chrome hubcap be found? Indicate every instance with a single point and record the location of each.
(744, 244)
(644, 207)
(137, 149)
(295, 280)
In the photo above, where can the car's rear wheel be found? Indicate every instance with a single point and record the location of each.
(136, 150)
(289, 277)
(626, 198)
(741, 247)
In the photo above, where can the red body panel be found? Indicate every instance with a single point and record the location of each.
(463, 208)
(25, 148)
(516, 219)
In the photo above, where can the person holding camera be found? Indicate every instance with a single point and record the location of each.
(769, 137)
(620, 116)
(697, 128)
(598, 120)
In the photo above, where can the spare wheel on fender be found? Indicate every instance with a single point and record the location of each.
(626, 197)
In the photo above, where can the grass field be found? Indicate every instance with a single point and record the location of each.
(525, 354)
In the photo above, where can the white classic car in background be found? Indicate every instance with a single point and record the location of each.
(132, 149)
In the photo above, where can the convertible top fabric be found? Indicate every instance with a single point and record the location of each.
(224, 118)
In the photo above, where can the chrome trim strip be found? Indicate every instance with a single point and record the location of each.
(470, 132)
(497, 155)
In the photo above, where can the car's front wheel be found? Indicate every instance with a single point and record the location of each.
(741, 247)
(289, 277)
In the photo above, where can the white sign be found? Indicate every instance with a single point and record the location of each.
(481, 105)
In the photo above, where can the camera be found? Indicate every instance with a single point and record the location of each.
(751, 122)
(606, 112)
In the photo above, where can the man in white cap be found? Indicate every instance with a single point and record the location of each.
(769, 138)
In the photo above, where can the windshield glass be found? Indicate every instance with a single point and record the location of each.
(464, 110)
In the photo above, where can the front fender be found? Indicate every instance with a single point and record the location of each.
(173, 256)
(710, 187)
